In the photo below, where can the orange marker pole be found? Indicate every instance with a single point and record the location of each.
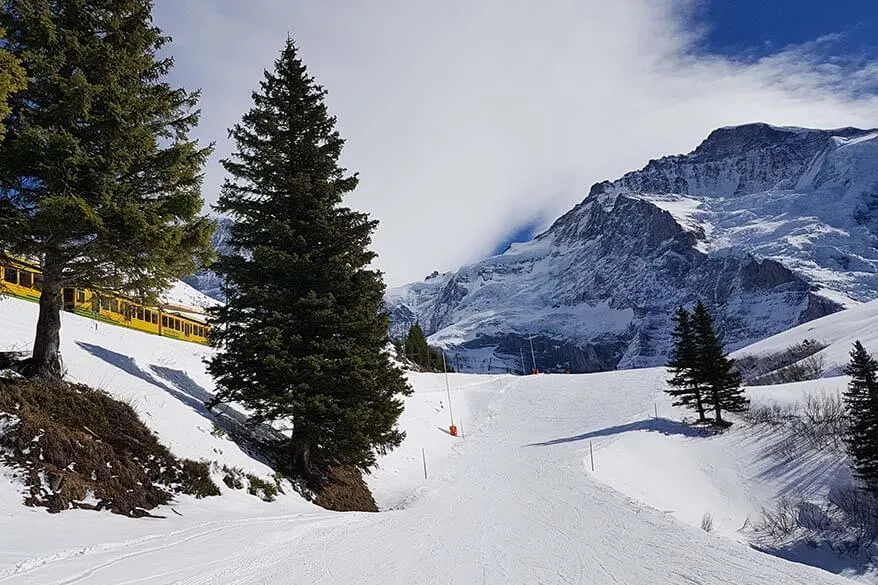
(452, 429)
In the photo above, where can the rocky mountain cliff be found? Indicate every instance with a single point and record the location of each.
(206, 281)
(771, 227)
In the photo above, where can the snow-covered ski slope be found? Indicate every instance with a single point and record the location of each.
(838, 331)
(731, 477)
(512, 501)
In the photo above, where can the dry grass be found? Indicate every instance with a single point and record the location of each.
(344, 490)
(71, 443)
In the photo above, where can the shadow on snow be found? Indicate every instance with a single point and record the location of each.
(178, 384)
(655, 425)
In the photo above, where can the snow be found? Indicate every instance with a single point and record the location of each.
(847, 141)
(181, 293)
(838, 331)
(513, 500)
(671, 467)
(675, 468)
(688, 213)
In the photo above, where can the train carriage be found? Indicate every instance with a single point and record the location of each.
(24, 280)
(20, 279)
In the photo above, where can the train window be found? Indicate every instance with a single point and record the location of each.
(140, 313)
(80, 296)
(164, 321)
(155, 319)
(105, 304)
(147, 315)
(10, 275)
(38, 281)
(114, 305)
(25, 278)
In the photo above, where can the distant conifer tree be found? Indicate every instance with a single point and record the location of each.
(714, 370)
(861, 401)
(685, 385)
(417, 349)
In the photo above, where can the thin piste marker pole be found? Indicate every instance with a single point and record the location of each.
(447, 389)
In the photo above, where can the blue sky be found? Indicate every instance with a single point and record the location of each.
(522, 233)
(763, 26)
(752, 29)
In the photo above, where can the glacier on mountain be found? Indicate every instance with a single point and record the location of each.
(769, 226)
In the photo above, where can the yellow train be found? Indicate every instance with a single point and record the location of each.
(24, 280)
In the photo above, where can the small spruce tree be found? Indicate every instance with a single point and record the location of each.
(861, 402)
(684, 382)
(302, 335)
(714, 370)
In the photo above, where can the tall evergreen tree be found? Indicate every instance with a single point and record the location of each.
(714, 369)
(861, 401)
(302, 335)
(12, 79)
(684, 382)
(99, 181)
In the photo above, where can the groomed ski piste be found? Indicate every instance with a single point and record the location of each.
(514, 500)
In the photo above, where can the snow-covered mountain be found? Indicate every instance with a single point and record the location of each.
(770, 226)
(207, 281)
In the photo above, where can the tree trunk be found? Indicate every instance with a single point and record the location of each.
(302, 455)
(717, 408)
(47, 351)
(699, 404)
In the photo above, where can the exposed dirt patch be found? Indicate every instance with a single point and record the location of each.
(344, 490)
(75, 447)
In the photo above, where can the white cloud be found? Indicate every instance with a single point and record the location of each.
(466, 119)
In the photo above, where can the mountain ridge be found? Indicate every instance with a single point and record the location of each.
(771, 226)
